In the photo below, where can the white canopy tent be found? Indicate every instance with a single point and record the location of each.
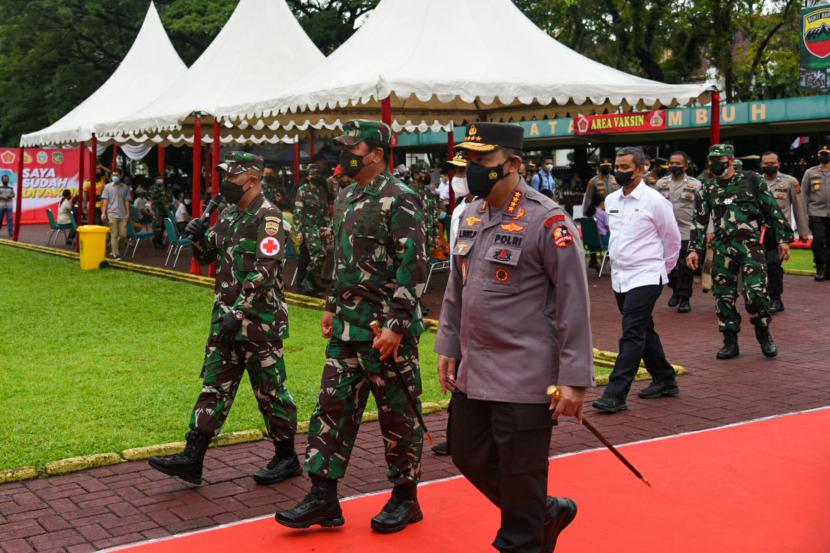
(148, 68)
(262, 48)
(501, 67)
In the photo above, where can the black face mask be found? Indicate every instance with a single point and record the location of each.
(231, 191)
(350, 163)
(605, 170)
(677, 171)
(824, 158)
(624, 178)
(718, 167)
(481, 179)
(770, 170)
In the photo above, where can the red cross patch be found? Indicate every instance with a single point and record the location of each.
(269, 246)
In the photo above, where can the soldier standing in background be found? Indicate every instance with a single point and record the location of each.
(815, 190)
(248, 324)
(160, 200)
(680, 189)
(739, 205)
(421, 180)
(785, 189)
(273, 189)
(380, 272)
(311, 217)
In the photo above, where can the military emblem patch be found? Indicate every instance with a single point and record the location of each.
(271, 228)
(512, 227)
(553, 219)
(473, 221)
(562, 237)
(502, 275)
(269, 246)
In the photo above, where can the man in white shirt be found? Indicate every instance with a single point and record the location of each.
(644, 247)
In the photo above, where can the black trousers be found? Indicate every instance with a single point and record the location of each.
(638, 341)
(775, 270)
(681, 278)
(502, 449)
(820, 227)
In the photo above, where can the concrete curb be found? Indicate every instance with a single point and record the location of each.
(17, 475)
(75, 464)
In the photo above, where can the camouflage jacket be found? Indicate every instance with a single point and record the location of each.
(738, 209)
(380, 263)
(275, 191)
(159, 198)
(311, 208)
(429, 201)
(247, 245)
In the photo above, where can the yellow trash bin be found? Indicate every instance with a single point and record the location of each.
(93, 239)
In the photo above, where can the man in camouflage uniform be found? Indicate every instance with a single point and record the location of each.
(786, 191)
(248, 323)
(273, 189)
(421, 178)
(680, 189)
(159, 197)
(740, 206)
(311, 217)
(380, 271)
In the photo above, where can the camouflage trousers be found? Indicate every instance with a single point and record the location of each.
(222, 372)
(316, 248)
(158, 227)
(748, 260)
(352, 370)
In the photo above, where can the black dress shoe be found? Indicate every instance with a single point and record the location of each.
(768, 347)
(659, 389)
(441, 449)
(279, 469)
(684, 306)
(776, 306)
(730, 346)
(318, 507)
(821, 274)
(397, 514)
(559, 513)
(674, 300)
(610, 404)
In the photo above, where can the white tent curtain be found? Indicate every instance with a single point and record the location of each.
(135, 151)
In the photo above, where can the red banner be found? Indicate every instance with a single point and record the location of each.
(620, 122)
(46, 173)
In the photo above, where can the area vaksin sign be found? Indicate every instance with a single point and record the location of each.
(620, 122)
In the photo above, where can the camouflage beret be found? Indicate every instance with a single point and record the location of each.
(358, 130)
(720, 150)
(419, 166)
(236, 163)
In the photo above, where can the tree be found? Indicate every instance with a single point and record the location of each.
(330, 23)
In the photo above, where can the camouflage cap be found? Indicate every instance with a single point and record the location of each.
(236, 163)
(419, 166)
(358, 130)
(720, 150)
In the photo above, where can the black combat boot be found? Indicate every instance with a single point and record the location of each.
(821, 273)
(684, 306)
(401, 509)
(320, 506)
(559, 513)
(776, 306)
(730, 346)
(441, 449)
(283, 466)
(187, 465)
(674, 299)
(768, 347)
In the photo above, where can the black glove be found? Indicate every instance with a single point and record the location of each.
(196, 229)
(229, 325)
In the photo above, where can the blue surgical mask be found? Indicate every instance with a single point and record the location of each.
(116, 180)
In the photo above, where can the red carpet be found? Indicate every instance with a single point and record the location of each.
(755, 488)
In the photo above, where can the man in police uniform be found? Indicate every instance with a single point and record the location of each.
(248, 324)
(739, 205)
(600, 185)
(815, 190)
(680, 189)
(786, 191)
(380, 269)
(516, 311)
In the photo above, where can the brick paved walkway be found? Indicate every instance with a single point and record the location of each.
(128, 503)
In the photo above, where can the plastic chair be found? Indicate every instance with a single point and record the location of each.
(433, 267)
(137, 237)
(592, 240)
(176, 243)
(58, 228)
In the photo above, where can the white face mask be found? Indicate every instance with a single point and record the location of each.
(459, 186)
(549, 167)
(187, 201)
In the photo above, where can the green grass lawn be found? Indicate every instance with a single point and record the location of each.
(801, 260)
(101, 361)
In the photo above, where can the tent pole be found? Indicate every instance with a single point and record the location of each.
(18, 214)
(81, 177)
(296, 175)
(161, 160)
(196, 195)
(214, 177)
(451, 172)
(93, 191)
(714, 129)
(114, 157)
(311, 144)
(386, 117)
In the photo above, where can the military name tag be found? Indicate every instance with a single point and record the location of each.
(508, 240)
